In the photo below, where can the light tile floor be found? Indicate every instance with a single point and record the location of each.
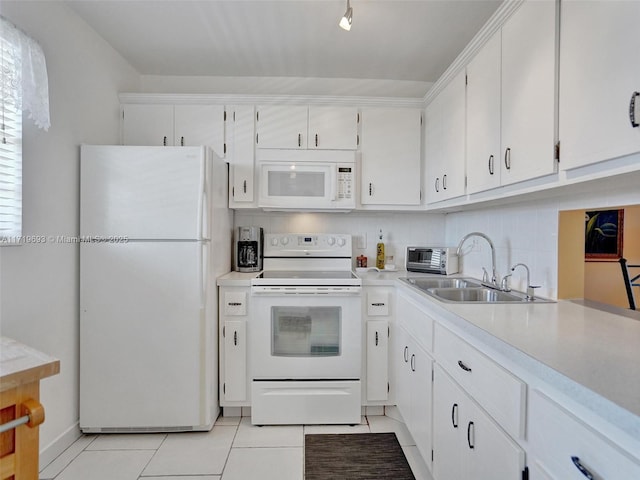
(233, 450)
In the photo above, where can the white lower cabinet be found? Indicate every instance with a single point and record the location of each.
(377, 351)
(233, 341)
(414, 389)
(378, 314)
(562, 447)
(467, 443)
(235, 360)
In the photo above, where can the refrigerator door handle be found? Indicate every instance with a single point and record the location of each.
(202, 196)
(204, 273)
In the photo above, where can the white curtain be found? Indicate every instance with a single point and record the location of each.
(25, 84)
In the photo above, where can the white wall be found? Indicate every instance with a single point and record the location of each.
(39, 283)
(527, 232)
(399, 230)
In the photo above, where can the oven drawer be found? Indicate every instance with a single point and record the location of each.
(299, 402)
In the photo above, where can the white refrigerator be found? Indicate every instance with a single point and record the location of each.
(155, 233)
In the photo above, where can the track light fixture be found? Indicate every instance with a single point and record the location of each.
(347, 18)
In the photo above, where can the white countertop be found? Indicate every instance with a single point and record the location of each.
(237, 279)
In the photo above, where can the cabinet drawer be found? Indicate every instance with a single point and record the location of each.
(378, 304)
(556, 436)
(419, 325)
(234, 303)
(499, 392)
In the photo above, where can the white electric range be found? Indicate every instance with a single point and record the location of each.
(306, 332)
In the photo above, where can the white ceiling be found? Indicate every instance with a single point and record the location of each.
(410, 40)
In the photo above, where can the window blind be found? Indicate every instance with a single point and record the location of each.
(10, 150)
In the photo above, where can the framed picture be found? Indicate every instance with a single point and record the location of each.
(603, 235)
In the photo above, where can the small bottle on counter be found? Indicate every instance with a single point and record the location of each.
(361, 261)
(380, 253)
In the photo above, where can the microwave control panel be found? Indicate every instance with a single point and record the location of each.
(345, 182)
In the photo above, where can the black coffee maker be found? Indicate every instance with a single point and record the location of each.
(248, 249)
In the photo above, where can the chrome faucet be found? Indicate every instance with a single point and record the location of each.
(530, 288)
(493, 283)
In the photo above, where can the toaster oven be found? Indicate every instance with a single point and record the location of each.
(439, 260)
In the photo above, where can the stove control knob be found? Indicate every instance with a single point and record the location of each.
(274, 241)
(341, 242)
(284, 240)
(331, 241)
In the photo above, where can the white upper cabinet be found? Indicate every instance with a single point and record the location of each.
(302, 127)
(599, 76)
(444, 142)
(241, 156)
(281, 126)
(390, 156)
(483, 117)
(511, 94)
(528, 92)
(175, 125)
(147, 125)
(333, 128)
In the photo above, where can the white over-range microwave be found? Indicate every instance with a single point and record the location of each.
(307, 180)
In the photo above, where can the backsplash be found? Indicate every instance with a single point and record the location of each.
(399, 230)
(527, 232)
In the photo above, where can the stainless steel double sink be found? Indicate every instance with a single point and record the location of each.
(466, 290)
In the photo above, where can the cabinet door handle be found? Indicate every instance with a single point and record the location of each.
(182, 141)
(316, 139)
(507, 158)
(490, 164)
(583, 470)
(469, 426)
(413, 362)
(437, 184)
(444, 181)
(370, 188)
(376, 339)
(244, 186)
(235, 337)
(164, 141)
(463, 366)
(454, 415)
(632, 110)
(406, 354)
(299, 139)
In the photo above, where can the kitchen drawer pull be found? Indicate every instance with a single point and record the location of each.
(244, 186)
(235, 337)
(378, 304)
(406, 354)
(299, 139)
(164, 141)
(583, 470)
(316, 139)
(182, 141)
(413, 362)
(632, 110)
(234, 304)
(463, 366)
(507, 158)
(454, 415)
(491, 168)
(471, 446)
(376, 339)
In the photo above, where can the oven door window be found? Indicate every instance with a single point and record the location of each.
(305, 331)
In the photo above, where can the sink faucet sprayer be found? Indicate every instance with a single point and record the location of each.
(530, 288)
(494, 275)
